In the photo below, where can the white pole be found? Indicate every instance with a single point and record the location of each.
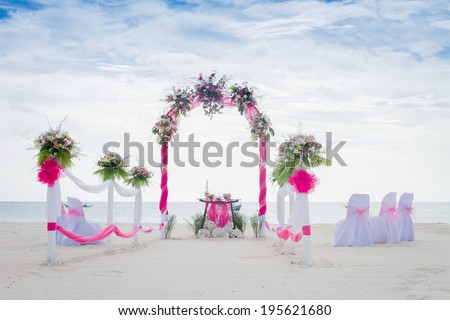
(137, 214)
(302, 204)
(53, 211)
(110, 220)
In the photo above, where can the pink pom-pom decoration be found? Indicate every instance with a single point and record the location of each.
(49, 172)
(303, 181)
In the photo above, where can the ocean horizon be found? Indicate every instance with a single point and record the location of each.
(320, 212)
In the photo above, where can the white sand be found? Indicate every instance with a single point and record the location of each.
(188, 268)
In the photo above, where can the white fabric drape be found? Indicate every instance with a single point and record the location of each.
(281, 194)
(385, 227)
(112, 185)
(355, 229)
(97, 188)
(404, 219)
(53, 211)
(302, 211)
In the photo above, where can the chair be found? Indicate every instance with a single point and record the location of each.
(355, 229)
(385, 227)
(404, 220)
(75, 221)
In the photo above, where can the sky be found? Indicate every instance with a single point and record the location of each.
(374, 73)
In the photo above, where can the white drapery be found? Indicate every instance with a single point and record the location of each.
(298, 217)
(54, 206)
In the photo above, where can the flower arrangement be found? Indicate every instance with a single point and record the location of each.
(210, 92)
(139, 177)
(111, 166)
(164, 129)
(227, 196)
(261, 126)
(56, 143)
(299, 151)
(243, 95)
(180, 101)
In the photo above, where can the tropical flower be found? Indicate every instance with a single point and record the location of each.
(243, 95)
(111, 166)
(298, 151)
(180, 101)
(139, 176)
(58, 144)
(164, 129)
(210, 92)
(260, 126)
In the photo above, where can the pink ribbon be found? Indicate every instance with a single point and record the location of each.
(409, 209)
(306, 230)
(285, 233)
(72, 214)
(164, 179)
(51, 226)
(361, 211)
(262, 177)
(101, 235)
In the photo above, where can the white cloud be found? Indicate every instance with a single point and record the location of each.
(346, 68)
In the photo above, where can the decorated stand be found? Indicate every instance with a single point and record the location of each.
(56, 151)
(213, 95)
(293, 176)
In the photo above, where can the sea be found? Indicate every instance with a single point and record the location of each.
(320, 212)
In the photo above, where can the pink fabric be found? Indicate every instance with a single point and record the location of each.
(409, 209)
(224, 216)
(72, 214)
(361, 211)
(164, 179)
(262, 177)
(212, 213)
(285, 233)
(303, 181)
(219, 214)
(51, 226)
(49, 172)
(306, 230)
(99, 236)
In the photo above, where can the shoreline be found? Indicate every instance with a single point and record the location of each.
(250, 268)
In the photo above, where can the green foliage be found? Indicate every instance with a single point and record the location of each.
(109, 173)
(240, 221)
(195, 223)
(254, 221)
(171, 222)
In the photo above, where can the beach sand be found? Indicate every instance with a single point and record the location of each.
(251, 268)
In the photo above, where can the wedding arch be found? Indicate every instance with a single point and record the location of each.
(213, 94)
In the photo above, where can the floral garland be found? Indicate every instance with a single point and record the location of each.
(164, 129)
(139, 177)
(260, 126)
(210, 93)
(111, 166)
(243, 95)
(57, 144)
(180, 101)
(300, 151)
(56, 152)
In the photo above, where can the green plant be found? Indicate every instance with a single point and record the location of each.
(195, 223)
(171, 222)
(254, 221)
(240, 221)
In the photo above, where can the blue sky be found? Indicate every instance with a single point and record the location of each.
(375, 73)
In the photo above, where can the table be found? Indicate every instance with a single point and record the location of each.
(207, 202)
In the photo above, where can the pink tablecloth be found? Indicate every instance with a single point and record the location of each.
(219, 214)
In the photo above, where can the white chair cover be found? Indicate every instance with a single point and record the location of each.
(385, 227)
(75, 222)
(355, 229)
(404, 219)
